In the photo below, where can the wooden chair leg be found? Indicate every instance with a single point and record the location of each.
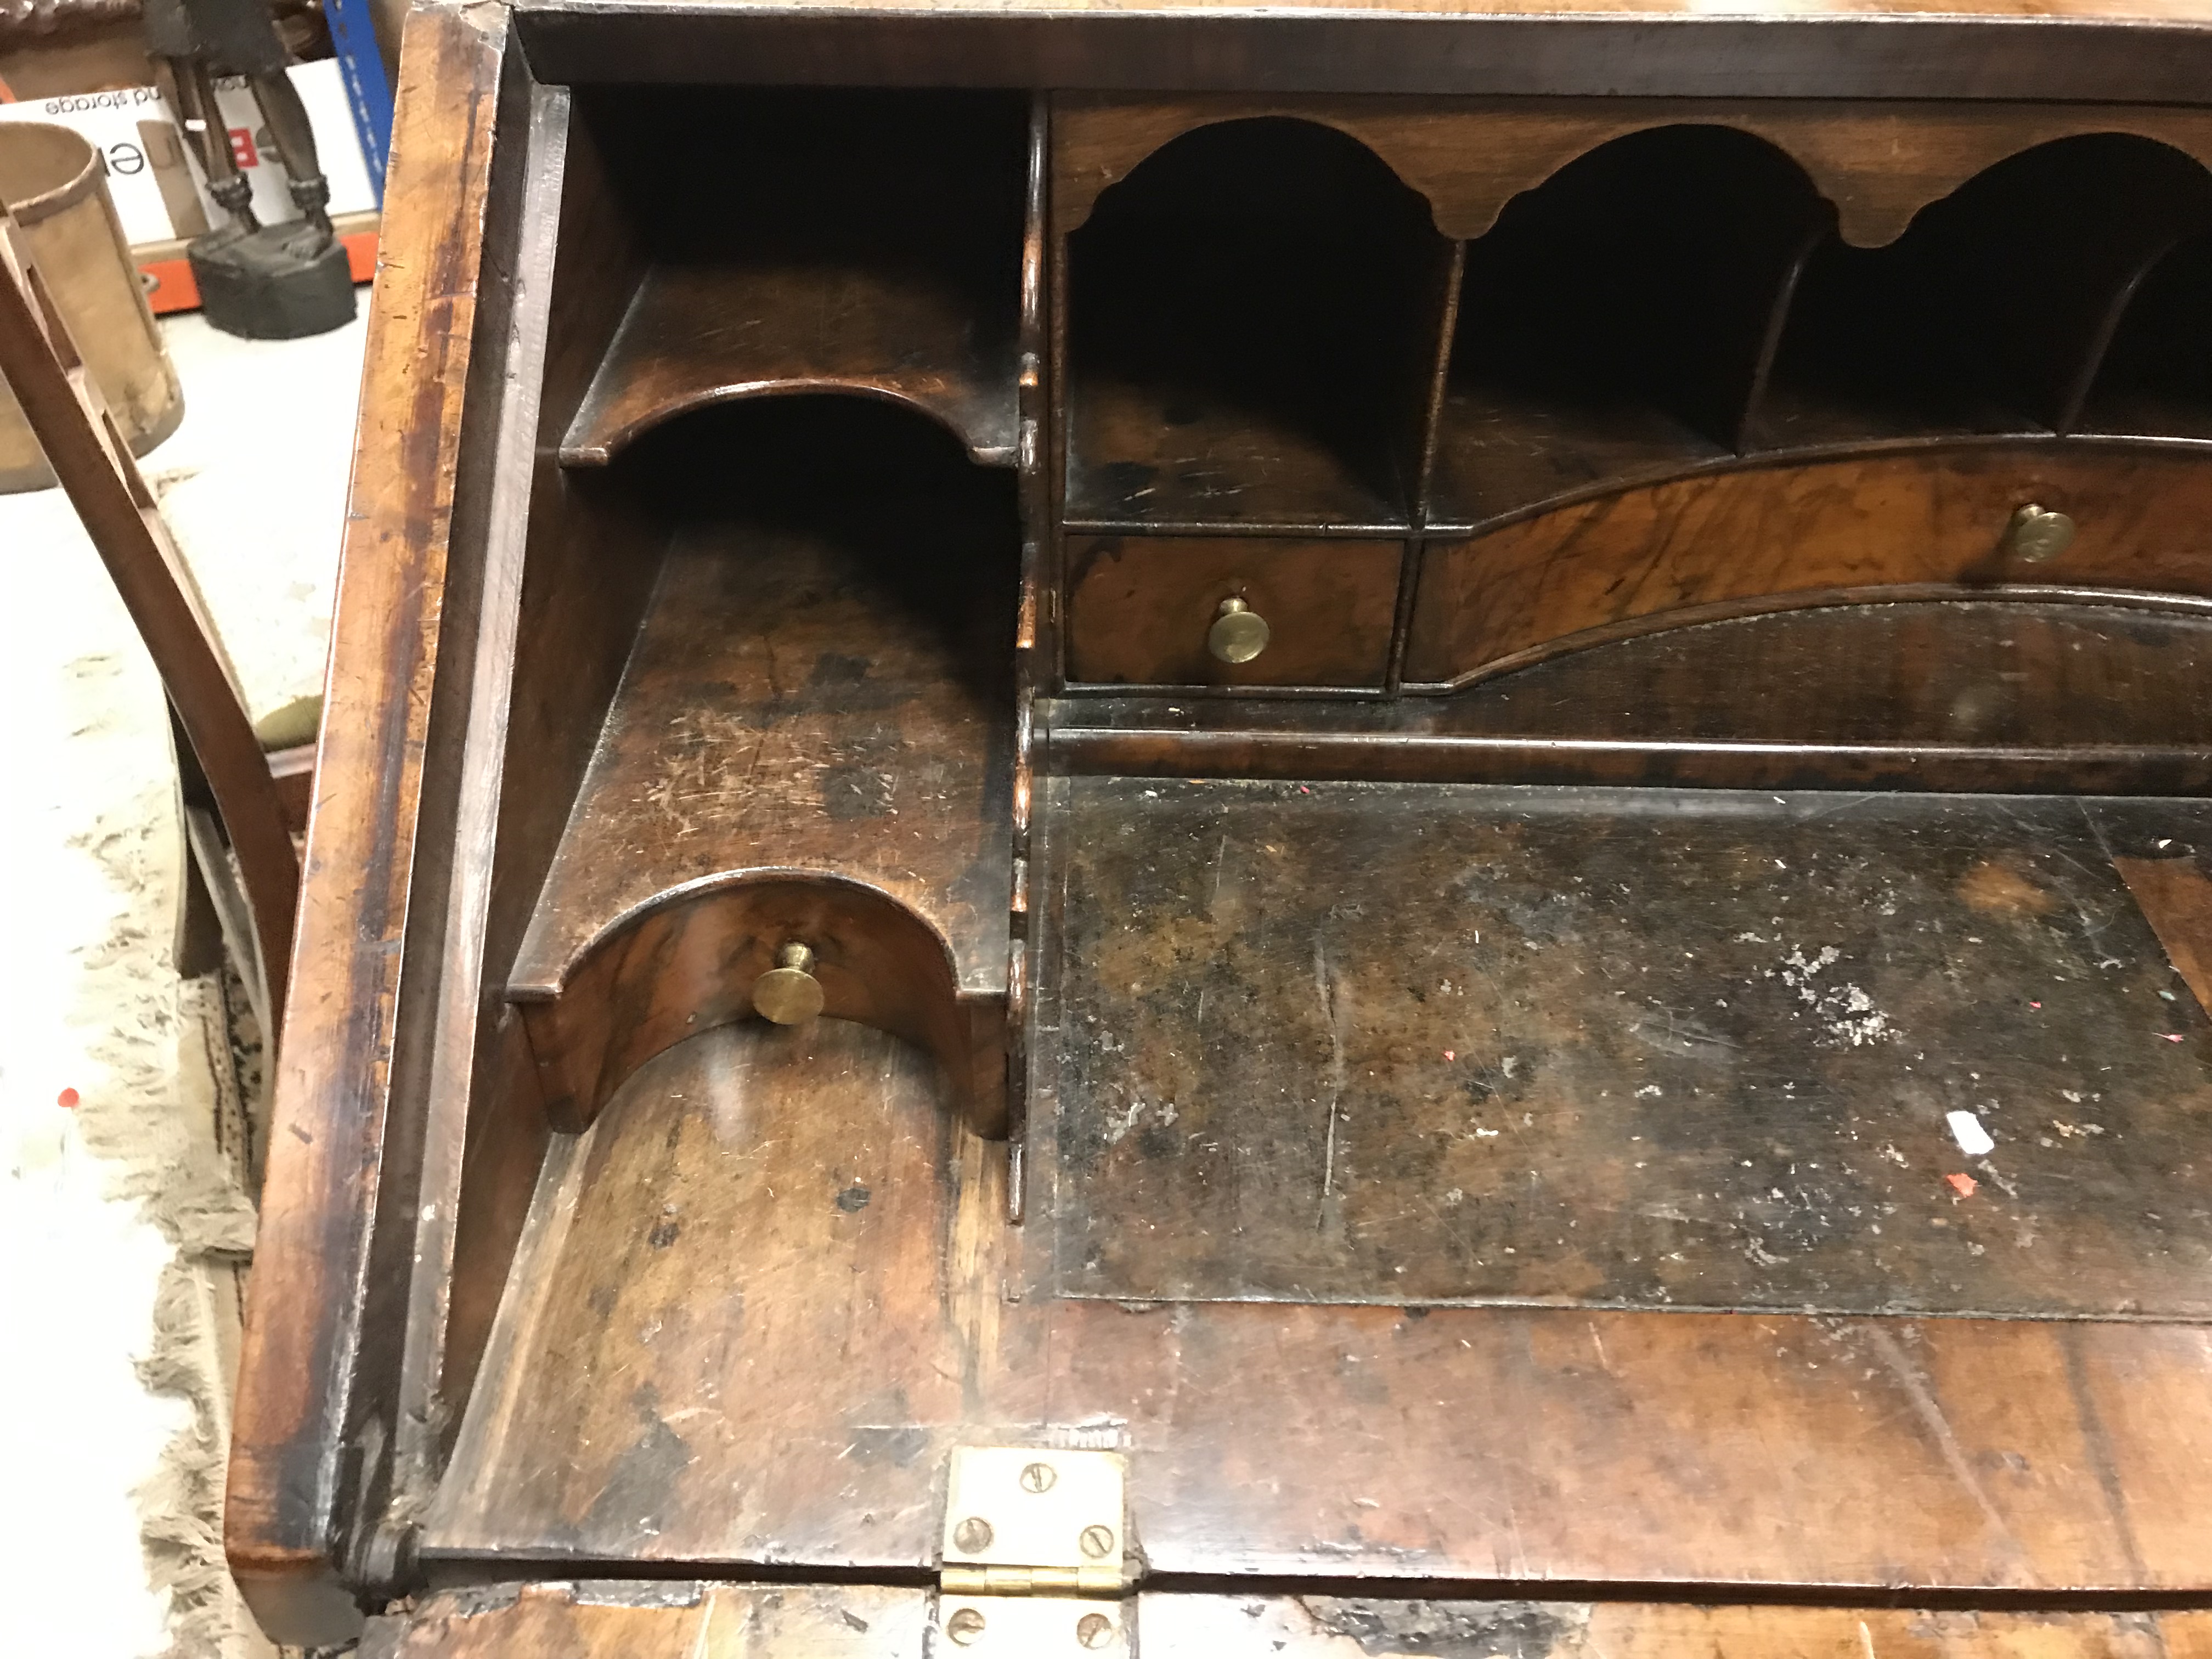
(44, 370)
(213, 868)
(197, 947)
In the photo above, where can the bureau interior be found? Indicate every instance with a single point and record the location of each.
(896, 472)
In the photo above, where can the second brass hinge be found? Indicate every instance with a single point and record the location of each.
(1034, 1552)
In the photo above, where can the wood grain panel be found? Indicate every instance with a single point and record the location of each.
(1879, 164)
(1746, 539)
(1138, 609)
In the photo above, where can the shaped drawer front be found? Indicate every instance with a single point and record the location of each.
(1149, 610)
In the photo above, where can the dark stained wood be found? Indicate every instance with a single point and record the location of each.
(1252, 320)
(287, 1486)
(1416, 1044)
(1139, 608)
(2017, 696)
(1699, 547)
(1879, 163)
(2156, 375)
(820, 690)
(1948, 330)
(840, 243)
(644, 1618)
(1619, 320)
(2129, 50)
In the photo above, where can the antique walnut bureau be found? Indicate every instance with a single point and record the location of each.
(1322, 830)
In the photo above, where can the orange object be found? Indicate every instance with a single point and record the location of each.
(1964, 1185)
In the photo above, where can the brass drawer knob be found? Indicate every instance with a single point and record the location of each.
(1239, 633)
(789, 992)
(2036, 535)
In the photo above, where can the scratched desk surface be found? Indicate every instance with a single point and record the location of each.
(1622, 1048)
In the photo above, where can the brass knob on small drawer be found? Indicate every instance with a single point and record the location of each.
(1239, 633)
(2036, 535)
(789, 992)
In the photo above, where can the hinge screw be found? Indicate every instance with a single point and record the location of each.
(973, 1536)
(1098, 1542)
(1038, 1477)
(1094, 1630)
(964, 1625)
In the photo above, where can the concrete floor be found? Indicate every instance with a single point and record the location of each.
(109, 1212)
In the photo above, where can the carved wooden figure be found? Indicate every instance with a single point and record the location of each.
(1227, 833)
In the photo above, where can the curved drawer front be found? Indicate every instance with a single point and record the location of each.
(1773, 538)
(1140, 608)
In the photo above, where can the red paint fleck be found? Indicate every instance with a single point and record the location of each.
(66, 1100)
(2172, 1036)
(1963, 1185)
(1451, 1055)
(2035, 1004)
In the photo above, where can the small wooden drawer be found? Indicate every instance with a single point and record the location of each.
(1140, 608)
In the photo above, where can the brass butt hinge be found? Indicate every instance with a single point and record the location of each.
(1036, 1553)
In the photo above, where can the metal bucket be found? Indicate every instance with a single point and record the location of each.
(55, 184)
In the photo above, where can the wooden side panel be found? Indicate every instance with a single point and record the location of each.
(1736, 541)
(565, 570)
(288, 1483)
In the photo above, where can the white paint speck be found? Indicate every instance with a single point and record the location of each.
(1966, 1130)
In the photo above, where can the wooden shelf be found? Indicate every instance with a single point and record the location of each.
(864, 243)
(700, 334)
